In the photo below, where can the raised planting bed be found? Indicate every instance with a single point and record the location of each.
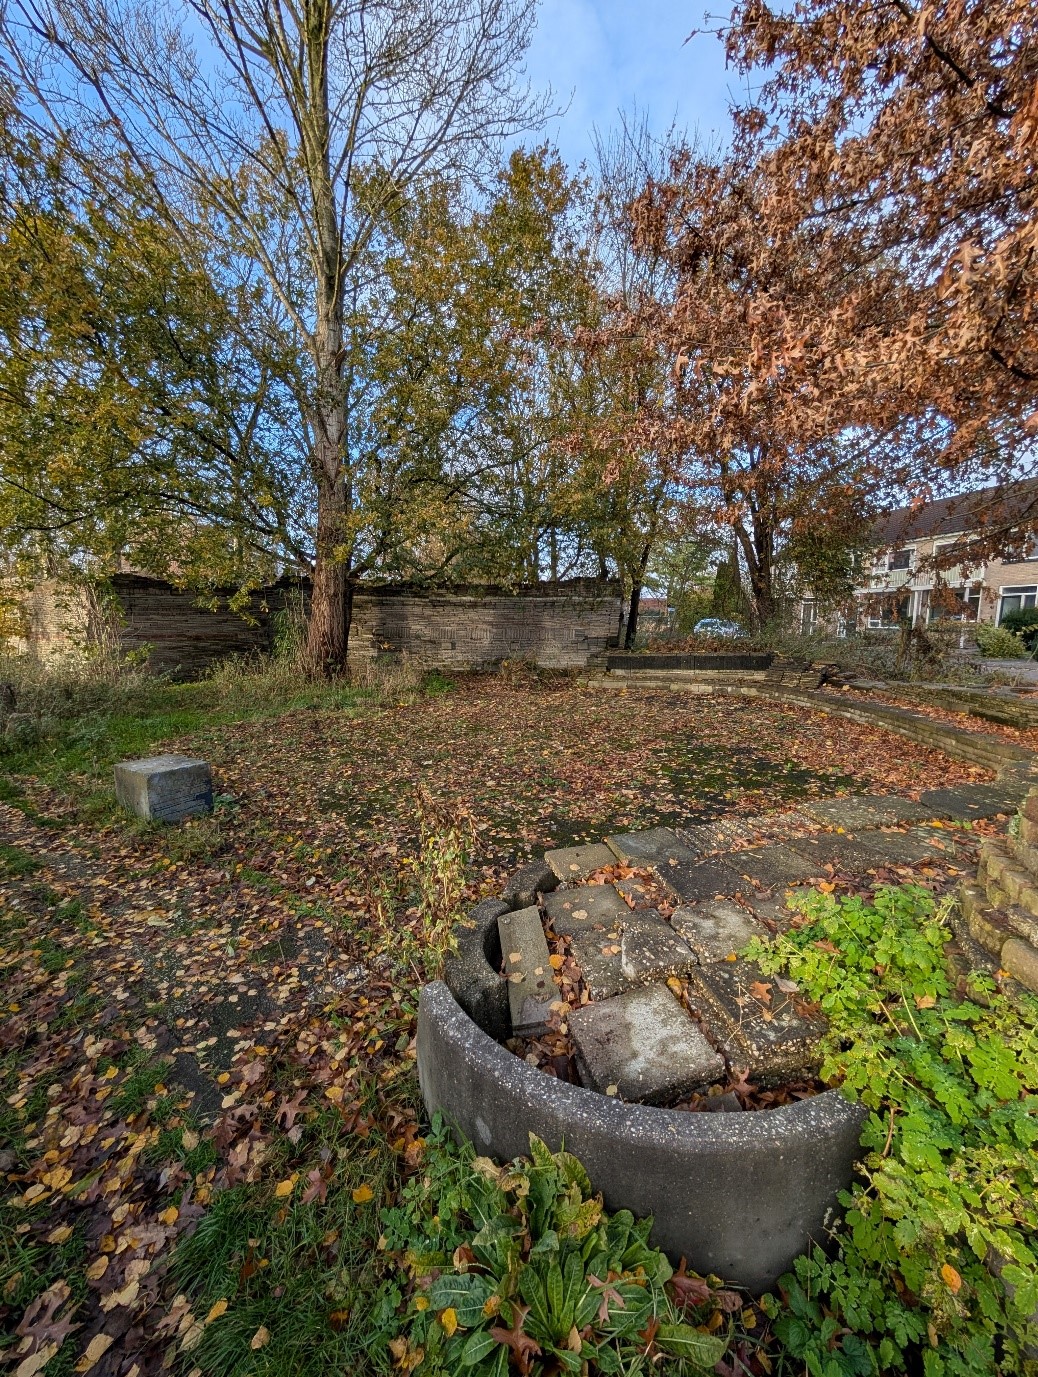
(718, 662)
(739, 1191)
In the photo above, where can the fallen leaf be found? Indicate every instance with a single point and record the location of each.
(217, 1310)
(449, 1320)
(261, 1338)
(95, 1349)
(362, 1195)
(951, 1278)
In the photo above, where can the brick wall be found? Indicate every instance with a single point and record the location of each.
(556, 625)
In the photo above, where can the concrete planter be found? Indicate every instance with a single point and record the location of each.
(740, 1195)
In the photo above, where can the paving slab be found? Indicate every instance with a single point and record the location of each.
(850, 856)
(598, 951)
(653, 952)
(716, 928)
(760, 1029)
(636, 892)
(576, 910)
(864, 810)
(771, 911)
(706, 880)
(918, 846)
(525, 956)
(772, 867)
(574, 863)
(972, 801)
(643, 1046)
(654, 846)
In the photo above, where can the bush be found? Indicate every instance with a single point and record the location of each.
(936, 1266)
(1024, 624)
(996, 643)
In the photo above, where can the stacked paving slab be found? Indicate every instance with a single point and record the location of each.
(1000, 910)
(674, 1010)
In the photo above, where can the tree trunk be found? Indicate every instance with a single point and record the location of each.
(328, 630)
(636, 595)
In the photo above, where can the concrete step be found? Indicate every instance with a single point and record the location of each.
(1005, 878)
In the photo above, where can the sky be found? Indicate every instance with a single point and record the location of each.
(602, 57)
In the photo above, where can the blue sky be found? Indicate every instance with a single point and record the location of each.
(604, 56)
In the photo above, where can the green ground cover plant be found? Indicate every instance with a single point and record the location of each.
(935, 1267)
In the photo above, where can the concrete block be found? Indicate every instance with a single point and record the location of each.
(971, 801)
(772, 867)
(574, 863)
(164, 788)
(525, 956)
(643, 1046)
(716, 929)
(1020, 959)
(707, 880)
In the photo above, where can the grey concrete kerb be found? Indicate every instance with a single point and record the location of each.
(740, 1195)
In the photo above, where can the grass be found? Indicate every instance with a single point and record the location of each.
(300, 1278)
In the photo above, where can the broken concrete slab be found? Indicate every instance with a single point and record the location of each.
(575, 910)
(706, 880)
(864, 810)
(642, 1046)
(637, 891)
(972, 801)
(716, 928)
(527, 965)
(761, 1029)
(654, 846)
(164, 788)
(522, 889)
(574, 863)
(651, 952)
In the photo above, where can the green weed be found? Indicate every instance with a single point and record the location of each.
(936, 1266)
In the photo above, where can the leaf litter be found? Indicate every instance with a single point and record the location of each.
(179, 1002)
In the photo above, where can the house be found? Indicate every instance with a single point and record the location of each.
(910, 579)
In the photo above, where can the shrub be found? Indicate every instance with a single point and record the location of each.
(936, 1266)
(996, 643)
(522, 1262)
(1023, 624)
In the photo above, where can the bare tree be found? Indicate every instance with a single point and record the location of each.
(301, 123)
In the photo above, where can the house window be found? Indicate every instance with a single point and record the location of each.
(807, 617)
(900, 559)
(1015, 599)
(956, 604)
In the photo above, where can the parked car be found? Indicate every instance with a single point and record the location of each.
(717, 626)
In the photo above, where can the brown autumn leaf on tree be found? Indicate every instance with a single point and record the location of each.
(906, 135)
